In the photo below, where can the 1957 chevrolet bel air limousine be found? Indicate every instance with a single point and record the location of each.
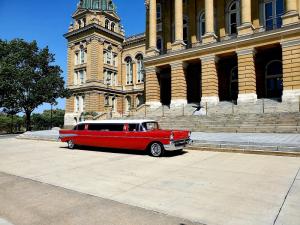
(126, 134)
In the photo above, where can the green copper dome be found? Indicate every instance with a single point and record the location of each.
(104, 5)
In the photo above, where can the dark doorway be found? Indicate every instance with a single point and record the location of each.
(228, 78)
(165, 86)
(193, 81)
(268, 65)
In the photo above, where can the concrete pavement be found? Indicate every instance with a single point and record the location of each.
(206, 187)
(28, 202)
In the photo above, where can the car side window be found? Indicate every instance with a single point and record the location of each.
(81, 127)
(106, 127)
(133, 127)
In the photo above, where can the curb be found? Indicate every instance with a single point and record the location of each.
(244, 151)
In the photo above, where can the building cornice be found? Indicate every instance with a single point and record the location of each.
(226, 44)
(95, 27)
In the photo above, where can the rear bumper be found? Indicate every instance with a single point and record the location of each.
(178, 145)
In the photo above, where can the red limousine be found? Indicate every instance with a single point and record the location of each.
(126, 134)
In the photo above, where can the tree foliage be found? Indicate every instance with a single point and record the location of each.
(44, 121)
(28, 77)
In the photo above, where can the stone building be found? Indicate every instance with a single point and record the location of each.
(105, 69)
(222, 50)
(193, 51)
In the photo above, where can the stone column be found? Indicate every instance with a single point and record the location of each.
(178, 44)
(246, 26)
(291, 15)
(210, 35)
(291, 70)
(246, 76)
(178, 84)
(152, 87)
(71, 63)
(210, 83)
(152, 51)
(94, 68)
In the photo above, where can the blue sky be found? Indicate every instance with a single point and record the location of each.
(47, 20)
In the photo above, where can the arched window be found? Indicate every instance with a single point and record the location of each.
(112, 26)
(159, 43)
(201, 25)
(272, 10)
(273, 76)
(114, 104)
(140, 68)
(128, 103)
(140, 100)
(233, 16)
(234, 83)
(107, 24)
(129, 71)
(106, 100)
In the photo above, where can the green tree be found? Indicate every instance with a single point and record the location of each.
(43, 121)
(28, 77)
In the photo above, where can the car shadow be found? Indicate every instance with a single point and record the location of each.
(167, 154)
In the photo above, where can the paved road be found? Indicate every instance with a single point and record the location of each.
(206, 187)
(28, 202)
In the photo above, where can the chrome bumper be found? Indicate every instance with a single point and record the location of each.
(178, 145)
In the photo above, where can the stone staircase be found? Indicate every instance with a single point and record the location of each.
(237, 123)
(264, 116)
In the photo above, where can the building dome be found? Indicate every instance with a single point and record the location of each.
(104, 5)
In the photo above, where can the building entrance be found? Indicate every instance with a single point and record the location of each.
(165, 86)
(193, 81)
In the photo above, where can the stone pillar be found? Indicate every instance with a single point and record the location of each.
(246, 76)
(152, 87)
(210, 35)
(178, 44)
(178, 84)
(152, 51)
(246, 26)
(291, 15)
(210, 84)
(71, 63)
(94, 69)
(291, 70)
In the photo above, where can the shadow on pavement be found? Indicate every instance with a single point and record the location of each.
(167, 154)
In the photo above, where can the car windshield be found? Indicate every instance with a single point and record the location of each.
(151, 126)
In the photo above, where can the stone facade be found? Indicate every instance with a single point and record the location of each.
(101, 60)
(196, 51)
(244, 55)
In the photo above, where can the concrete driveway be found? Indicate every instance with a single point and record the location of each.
(206, 187)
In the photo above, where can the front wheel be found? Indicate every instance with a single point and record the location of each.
(156, 150)
(71, 144)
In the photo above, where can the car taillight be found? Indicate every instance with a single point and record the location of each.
(190, 133)
(172, 136)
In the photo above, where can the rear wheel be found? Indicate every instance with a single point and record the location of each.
(71, 144)
(156, 149)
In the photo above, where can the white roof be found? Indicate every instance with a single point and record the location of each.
(115, 121)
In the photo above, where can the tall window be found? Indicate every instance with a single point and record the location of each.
(114, 104)
(158, 11)
(129, 71)
(185, 30)
(274, 83)
(201, 25)
(272, 12)
(112, 26)
(96, 4)
(107, 24)
(159, 43)
(79, 104)
(140, 68)
(109, 56)
(81, 56)
(79, 77)
(233, 16)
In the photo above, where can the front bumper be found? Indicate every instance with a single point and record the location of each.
(178, 145)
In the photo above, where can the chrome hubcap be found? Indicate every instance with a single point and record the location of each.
(155, 149)
(71, 144)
